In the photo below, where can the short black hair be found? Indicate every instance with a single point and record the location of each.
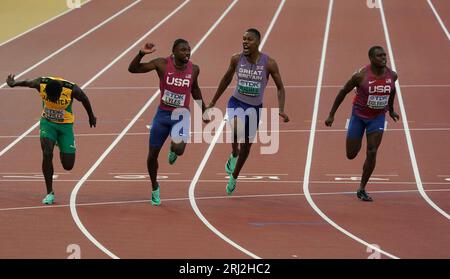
(177, 42)
(372, 50)
(255, 32)
(53, 90)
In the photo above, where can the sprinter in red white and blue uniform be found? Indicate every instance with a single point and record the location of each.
(375, 93)
(178, 80)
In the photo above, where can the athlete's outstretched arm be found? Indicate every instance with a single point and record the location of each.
(352, 83)
(226, 80)
(78, 94)
(136, 66)
(392, 113)
(272, 67)
(31, 83)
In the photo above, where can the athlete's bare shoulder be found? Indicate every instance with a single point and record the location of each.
(394, 75)
(359, 75)
(234, 61)
(195, 69)
(235, 58)
(160, 61)
(236, 55)
(271, 63)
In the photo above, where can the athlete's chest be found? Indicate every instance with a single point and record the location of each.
(63, 102)
(380, 86)
(178, 79)
(249, 71)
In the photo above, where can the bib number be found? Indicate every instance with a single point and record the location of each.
(377, 101)
(54, 114)
(249, 88)
(173, 99)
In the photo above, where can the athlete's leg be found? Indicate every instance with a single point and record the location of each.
(243, 155)
(353, 146)
(158, 135)
(373, 142)
(179, 131)
(152, 165)
(66, 143)
(67, 160)
(249, 132)
(245, 137)
(235, 143)
(375, 128)
(355, 134)
(178, 148)
(47, 146)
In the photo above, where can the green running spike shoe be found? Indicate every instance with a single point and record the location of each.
(362, 195)
(155, 197)
(49, 199)
(231, 185)
(231, 163)
(172, 157)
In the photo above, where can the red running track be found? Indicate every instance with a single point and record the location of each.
(269, 215)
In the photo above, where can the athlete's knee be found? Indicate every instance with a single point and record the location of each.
(67, 161)
(372, 152)
(351, 154)
(68, 166)
(153, 153)
(179, 150)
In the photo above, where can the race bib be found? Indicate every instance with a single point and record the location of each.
(249, 88)
(377, 101)
(54, 114)
(173, 99)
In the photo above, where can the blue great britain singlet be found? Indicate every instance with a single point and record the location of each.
(251, 80)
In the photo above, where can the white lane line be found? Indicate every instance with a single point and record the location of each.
(261, 131)
(40, 25)
(311, 143)
(409, 142)
(213, 197)
(52, 55)
(438, 18)
(254, 180)
(208, 153)
(74, 193)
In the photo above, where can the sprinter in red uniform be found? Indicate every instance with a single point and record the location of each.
(178, 80)
(375, 93)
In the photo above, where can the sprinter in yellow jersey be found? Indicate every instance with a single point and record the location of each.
(56, 124)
